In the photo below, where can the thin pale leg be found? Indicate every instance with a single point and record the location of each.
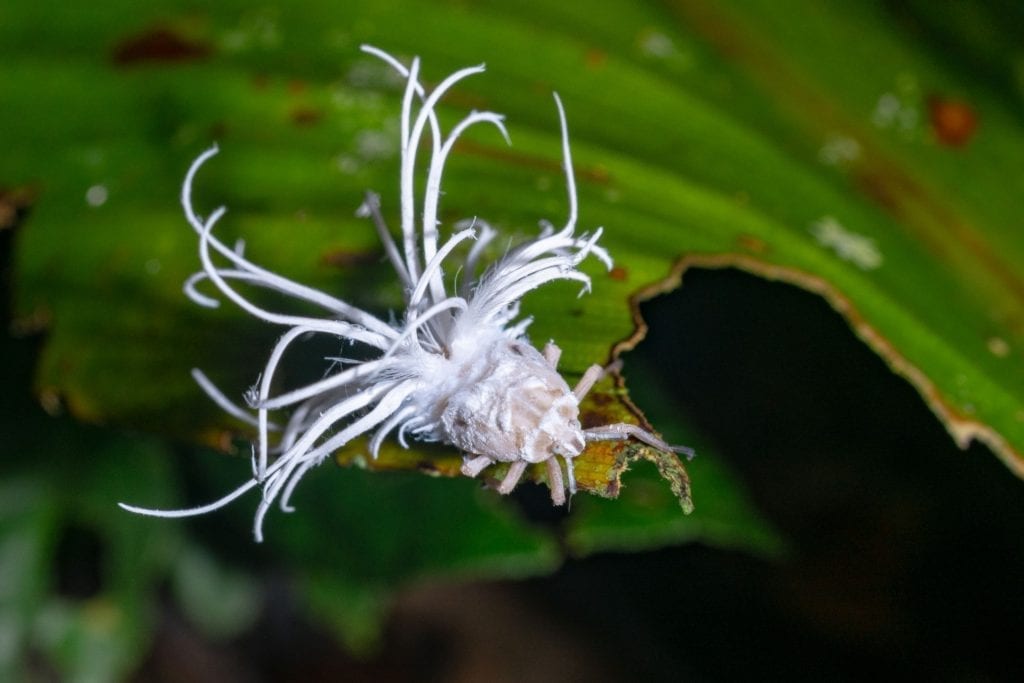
(587, 381)
(555, 481)
(623, 431)
(570, 476)
(515, 472)
(551, 354)
(474, 466)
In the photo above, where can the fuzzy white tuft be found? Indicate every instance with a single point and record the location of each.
(456, 368)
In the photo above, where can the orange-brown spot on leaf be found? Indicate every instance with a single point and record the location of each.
(619, 274)
(599, 173)
(752, 244)
(305, 116)
(218, 130)
(158, 44)
(592, 418)
(953, 122)
(341, 258)
(13, 203)
(461, 99)
(217, 438)
(296, 86)
(38, 320)
(595, 58)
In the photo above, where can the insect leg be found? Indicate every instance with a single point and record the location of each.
(623, 431)
(570, 475)
(515, 471)
(594, 374)
(475, 466)
(551, 354)
(586, 383)
(555, 481)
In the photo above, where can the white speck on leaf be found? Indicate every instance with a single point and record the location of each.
(255, 30)
(849, 246)
(998, 347)
(657, 44)
(347, 164)
(97, 195)
(371, 145)
(839, 150)
(897, 112)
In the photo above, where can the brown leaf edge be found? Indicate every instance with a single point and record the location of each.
(963, 428)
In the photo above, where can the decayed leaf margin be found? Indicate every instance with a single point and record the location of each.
(963, 428)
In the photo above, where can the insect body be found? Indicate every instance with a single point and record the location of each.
(508, 404)
(455, 369)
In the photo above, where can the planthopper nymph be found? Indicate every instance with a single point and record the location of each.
(454, 367)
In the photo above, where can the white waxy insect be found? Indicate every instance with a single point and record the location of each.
(455, 369)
